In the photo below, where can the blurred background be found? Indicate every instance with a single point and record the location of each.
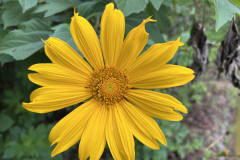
(209, 29)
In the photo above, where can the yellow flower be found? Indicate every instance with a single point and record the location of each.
(114, 110)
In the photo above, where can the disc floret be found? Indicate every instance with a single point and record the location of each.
(108, 85)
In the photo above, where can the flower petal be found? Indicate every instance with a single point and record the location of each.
(51, 98)
(156, 104)
(54, 74)
(154, 57)
(86, 40)
(165, 77)
(112, 33)
(133, 44)
(144, 128)
(119, 138)
(61, 53)
(68, 130)
(93, 140)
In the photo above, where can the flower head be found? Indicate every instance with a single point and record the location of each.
(115, 110)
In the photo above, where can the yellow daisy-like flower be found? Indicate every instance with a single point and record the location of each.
(115, 111)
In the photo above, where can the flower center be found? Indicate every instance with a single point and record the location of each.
(108, 85)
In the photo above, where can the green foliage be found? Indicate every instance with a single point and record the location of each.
(63, 32)
(24, 135)
(25, 41)
(236, 2)
(194, 93)
(33, 143)
(91, 8)
(12, 14)
(5, 122)
(131, 6)
(54, 6)
(27, 4)
(156, 3)
(4, 58)
(224, 12)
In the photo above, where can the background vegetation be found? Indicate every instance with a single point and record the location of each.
(24, 135)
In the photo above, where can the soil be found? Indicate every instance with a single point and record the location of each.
(213, 119)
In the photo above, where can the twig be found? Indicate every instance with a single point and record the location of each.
(216, 141)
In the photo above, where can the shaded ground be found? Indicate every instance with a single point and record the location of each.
(213, 120)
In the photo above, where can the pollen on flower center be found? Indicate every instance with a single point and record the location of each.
(108, 85)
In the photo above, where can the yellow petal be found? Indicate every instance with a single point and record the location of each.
(154, 57)
(119, 138)
(86, 40)
(155, 100)
(68, 130)
(61, 53)
(133, 44)
(112, 33)
(165, 77)
(51, 98)
(156, 104)
(144, 128)
(93, 140)
(54, 74)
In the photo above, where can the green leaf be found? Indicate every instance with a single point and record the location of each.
(224, 12)
(160, 154)
(12, 14)
(156, 3)
(131, 6)
(237, 2)
(22, 43)
(134, 20)
(5, 122)
(64, 34)
(181, 152)
(27, 4)
(53, 6)
(154, 34)
(5, 58)
(13, 150)
(89, 9)
(161, 16)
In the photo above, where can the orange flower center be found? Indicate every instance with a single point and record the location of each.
(108, 85)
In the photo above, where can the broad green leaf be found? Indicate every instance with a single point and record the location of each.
(22, 43)
(156, 3)
(134, 20)
(3, 33)
(64, 34)
(161, 16)
(62, 25)
(89, 9)
(53, 6)
(27, 4)
(1, 12)
(5, 58)
(154, 34)
(131, 6)
(237, 2)
(5, 122)
(12, 14)
(224, 12)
